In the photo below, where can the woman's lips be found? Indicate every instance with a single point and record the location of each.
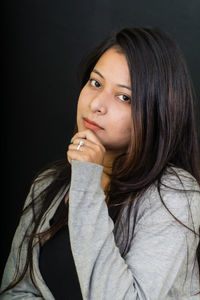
(91, 125)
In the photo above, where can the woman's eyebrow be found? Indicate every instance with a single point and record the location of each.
(120, 85)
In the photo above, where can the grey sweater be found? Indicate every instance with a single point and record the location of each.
(160, 263)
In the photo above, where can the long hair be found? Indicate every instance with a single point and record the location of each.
(163, 128)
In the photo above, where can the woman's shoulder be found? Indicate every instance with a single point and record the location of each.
(177, 182)
(176, 194)
(179, 179)
(41, 181)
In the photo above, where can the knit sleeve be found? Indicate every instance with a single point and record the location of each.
(156, 265)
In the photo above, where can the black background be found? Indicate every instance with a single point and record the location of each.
(43, 44)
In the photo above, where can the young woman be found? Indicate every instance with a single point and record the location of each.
(120, 217)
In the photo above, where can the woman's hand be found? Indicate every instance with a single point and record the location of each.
(92, 150)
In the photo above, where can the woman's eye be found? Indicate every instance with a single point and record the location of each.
(94, 83)
(124, 98)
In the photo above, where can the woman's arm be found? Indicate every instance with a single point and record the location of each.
(25, 288)
(158, 250)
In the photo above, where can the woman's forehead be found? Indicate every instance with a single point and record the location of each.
(113, 64)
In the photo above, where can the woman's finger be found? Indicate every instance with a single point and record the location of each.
(88, 135)
(85, 146)
(91, 153)
(73, 154)
(85, 142)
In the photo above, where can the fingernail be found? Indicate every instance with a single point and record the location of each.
(71, 140)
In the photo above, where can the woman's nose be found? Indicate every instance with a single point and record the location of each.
(99, 104)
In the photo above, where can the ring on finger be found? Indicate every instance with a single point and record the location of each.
(81, 143)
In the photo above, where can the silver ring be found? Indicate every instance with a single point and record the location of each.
(81, 143)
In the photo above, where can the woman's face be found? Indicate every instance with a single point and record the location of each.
(105, 100)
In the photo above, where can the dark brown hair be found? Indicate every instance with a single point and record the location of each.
(163, 126)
